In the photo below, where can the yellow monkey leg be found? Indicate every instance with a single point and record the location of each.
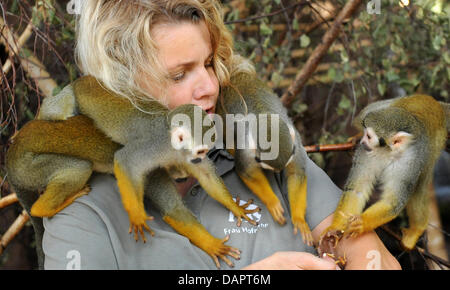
(200, 237)
(257, 182)
(133, 201)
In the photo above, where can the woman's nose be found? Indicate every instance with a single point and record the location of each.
(207, 84)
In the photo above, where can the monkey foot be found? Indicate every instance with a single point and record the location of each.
(139, 227)
(410, 238)
(41, 209)
(355, 226)
(243, 212)
(277, 213)
(218, 250)
(304, 230)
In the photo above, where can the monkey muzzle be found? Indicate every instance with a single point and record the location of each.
(366, 147)
(196, 160)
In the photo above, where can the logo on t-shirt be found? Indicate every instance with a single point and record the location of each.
(245, 227)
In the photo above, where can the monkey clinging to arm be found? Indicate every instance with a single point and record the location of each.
(402, 140)
(247, 95)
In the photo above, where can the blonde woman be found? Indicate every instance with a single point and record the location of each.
(178, 52)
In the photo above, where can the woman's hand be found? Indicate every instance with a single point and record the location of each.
(293, 261)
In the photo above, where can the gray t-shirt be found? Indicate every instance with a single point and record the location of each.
(92, 233)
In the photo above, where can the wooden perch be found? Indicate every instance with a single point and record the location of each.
(13, 230)
(313, 61)
(330, 147)
(8, 200)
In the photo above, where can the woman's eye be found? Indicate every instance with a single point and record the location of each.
(177, 77)
(210, 63)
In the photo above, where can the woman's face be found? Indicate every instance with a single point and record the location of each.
(185, 50)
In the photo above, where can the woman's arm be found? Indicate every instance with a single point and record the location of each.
(364, 252)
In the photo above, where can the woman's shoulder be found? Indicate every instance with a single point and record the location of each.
(79, 235)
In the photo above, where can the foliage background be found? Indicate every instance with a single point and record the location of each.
(399, 51)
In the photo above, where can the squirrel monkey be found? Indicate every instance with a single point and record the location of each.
(248, 95)
(59, 157)
(402, 140)
(119, 119)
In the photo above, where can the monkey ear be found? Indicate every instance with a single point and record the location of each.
(400, 139)
(180, 138)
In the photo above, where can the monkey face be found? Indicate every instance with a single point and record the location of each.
(396, 143)
(182, 139)
(370, 140)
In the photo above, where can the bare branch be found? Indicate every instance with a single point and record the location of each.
(30, 64)
(13, 230)
(313, 61)
(8, 200)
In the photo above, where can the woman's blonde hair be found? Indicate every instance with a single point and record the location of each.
(114, 43)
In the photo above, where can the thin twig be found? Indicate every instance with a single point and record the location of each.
(330, 147)
(267, 15)
(314, 59)
(30, 64)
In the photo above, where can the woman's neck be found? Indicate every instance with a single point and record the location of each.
(184, 187)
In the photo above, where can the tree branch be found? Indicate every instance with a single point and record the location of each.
(30, 64)
(13, 230)
(313, 61)
(9, 199)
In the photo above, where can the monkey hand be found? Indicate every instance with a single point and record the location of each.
(300, 224)
(355, 226)
(218, 250)
(277, 212)
(241, 211)
(138, 222)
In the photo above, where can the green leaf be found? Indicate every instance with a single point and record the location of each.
(344, 103)
(381, 88)
(304, 40)
(264, 29)
(295, 25)
(332, 73)
(437, 40)
(276, 78)
(391, 76)
(344, 56)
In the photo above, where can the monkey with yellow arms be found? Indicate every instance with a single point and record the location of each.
(403, 138)
(59, 156)
(251, 96)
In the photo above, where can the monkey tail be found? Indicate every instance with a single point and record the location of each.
(27, 199)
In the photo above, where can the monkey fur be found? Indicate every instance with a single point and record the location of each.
(403, 138)
(249, 95)
(130, 162)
